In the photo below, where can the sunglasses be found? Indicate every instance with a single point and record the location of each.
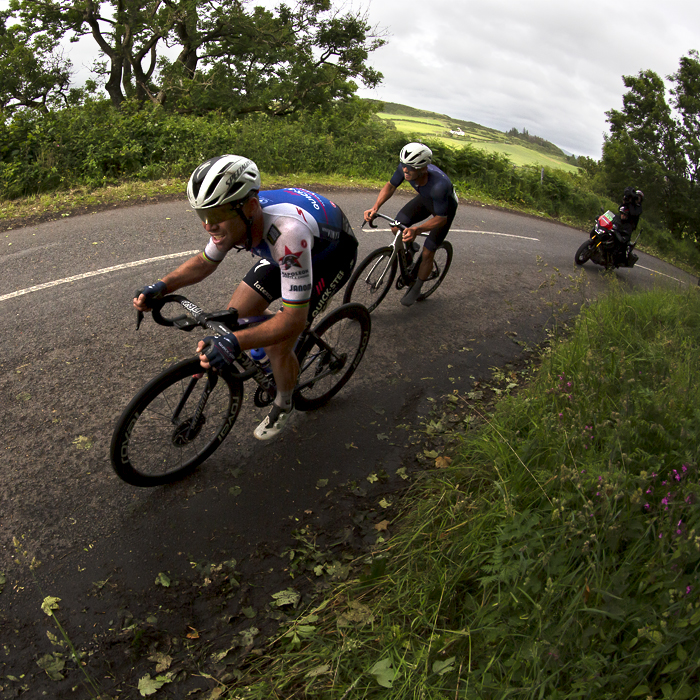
(410, 168)
(215, 215)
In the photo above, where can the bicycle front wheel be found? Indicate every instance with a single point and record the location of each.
(174, 423)
(441, 264)
(330, 354)
(372, 279)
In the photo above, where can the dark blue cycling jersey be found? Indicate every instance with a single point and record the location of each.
(438, 192)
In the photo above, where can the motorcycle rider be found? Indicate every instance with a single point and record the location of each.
(632, 198)
(622, 227)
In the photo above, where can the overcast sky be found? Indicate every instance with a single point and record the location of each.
(553, 67)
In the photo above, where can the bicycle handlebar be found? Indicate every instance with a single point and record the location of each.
(219, 322)
(392, 221)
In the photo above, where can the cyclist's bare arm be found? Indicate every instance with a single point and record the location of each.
(384, 195)
(190, 272)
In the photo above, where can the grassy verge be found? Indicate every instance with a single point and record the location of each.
(54, 205)
(555, 554)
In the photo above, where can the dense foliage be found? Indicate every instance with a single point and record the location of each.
(94, 145)
(654, 144)
(230, 54)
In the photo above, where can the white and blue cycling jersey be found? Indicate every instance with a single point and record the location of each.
(300, 228)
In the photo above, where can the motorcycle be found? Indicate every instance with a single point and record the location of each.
(603, 248)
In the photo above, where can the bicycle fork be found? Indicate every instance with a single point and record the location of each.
(189, 428)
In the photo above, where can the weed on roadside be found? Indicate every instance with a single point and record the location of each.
(556, 554)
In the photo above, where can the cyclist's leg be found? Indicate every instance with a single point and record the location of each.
(260, 287)
(432, 243)
(424, 266)
(413, 211)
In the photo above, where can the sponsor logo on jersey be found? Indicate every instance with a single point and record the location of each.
(299, 287)
(273, 234)
(328, 293)
(262, 290)
(307, 195)
(290, 259)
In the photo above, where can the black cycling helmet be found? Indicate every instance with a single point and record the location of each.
(628, 194)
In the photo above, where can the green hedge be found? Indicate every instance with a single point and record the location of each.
(94, 145)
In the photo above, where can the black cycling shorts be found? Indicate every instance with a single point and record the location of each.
(331, 268)
(419, 209)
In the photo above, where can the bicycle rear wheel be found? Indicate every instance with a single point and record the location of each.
(372, 279)
(174, 423)
(441, 264)
(330, 354)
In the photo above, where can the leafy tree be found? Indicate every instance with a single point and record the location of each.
(32, 75)
(654, 144)
(230, 56)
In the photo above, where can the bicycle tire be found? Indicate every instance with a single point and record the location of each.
(441, 264)
(156, 439)
(372, 279)
(323, 374)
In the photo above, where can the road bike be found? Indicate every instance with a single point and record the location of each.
(182, 416)
(373, 277)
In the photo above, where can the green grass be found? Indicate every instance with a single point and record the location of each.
(489, 140)
(558, 556)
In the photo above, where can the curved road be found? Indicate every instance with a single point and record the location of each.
(71, 360)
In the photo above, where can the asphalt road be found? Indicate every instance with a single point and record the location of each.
(71, 360)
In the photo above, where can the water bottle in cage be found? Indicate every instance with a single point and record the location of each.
(260, 356)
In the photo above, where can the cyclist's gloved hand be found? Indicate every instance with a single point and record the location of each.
(153, 291)
(221, 350)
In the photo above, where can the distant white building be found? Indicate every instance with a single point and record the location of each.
(457, 132)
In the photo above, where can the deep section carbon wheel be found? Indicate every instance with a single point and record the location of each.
(174, 423)
(330, 354)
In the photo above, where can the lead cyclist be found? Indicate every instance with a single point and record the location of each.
(307, 250)
(435, 205)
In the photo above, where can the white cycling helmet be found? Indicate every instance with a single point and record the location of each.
(416, 155)
(222, 180)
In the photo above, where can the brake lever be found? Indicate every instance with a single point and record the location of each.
(139, 318)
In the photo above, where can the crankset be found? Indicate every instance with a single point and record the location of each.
(264, 397)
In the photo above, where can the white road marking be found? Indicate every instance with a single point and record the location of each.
(103, 271)
(493, 233)
(656, 272)
(485, 233)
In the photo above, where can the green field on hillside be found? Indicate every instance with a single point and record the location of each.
(438, 126)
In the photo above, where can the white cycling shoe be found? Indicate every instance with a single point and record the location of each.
(273, 423)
